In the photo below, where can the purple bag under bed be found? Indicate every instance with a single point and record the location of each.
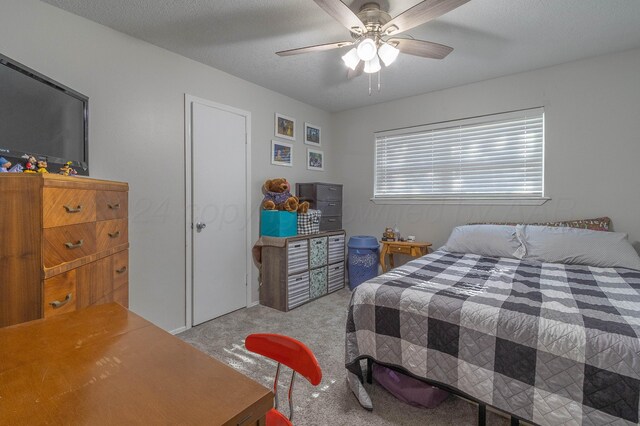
(407, 389)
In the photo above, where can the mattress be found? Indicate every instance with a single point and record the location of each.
(550, 343)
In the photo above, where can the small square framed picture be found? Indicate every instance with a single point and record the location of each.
(285, 127)
(315, 159)
(311, 134)
(281, 153)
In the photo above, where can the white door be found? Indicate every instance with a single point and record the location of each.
(219, 211)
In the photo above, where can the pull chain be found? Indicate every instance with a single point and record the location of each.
(378, 81)
(369, 84)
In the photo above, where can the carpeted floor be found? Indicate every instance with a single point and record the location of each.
(319, 324)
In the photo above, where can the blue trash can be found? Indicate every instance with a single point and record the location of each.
(363, 259)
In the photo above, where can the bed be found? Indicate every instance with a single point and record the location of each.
(551, 343)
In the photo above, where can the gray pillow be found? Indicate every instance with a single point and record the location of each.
(485, 240)
(578, 247)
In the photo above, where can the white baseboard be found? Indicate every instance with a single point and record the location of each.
(179, 330)
(252, 304)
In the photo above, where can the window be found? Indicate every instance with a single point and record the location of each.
(498, 156)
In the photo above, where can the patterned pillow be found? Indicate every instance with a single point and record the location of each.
(598, 224)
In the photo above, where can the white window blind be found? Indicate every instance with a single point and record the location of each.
(496, 156)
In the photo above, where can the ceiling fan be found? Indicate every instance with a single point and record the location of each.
(375, 34)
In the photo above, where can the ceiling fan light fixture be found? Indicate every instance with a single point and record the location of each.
(367, 49)
(372, 66)
(351, 58)
(388, 53)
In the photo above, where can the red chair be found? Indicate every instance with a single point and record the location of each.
(292, 353)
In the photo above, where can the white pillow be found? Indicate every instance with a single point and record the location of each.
(486, 240)
(574, 246)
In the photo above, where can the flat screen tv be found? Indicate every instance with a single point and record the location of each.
(43, 118)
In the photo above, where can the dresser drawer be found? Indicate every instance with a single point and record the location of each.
(400, 249)
(111, 233)
(298, 256)
(297, 289)
(336, 248)
(329, 208)
(330, 223)
(67, 206)
(317, 252)
(121, 295)
(60, 294)
(328, 192)
(111, 205)
(336, 276)
(66, 243)
(120, 269)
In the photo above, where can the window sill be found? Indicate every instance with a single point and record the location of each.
(496, 201)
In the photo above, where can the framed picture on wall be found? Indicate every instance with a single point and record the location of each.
(285, 127)
(315, 159)
(311, 134)
(281, 153)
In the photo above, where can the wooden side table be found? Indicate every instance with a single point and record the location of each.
(409, 248)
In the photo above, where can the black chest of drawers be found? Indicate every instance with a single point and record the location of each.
(326, 197)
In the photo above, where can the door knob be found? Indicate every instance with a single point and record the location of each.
(200, 226)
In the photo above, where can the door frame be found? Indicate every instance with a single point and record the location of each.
(188, 156)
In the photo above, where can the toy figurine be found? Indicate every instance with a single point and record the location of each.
(66, 170)
(4, 165)
(42, 166)
(388, 235)
(16, 169)
(31, 166)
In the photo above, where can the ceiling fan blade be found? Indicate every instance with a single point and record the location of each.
(316, 48)
(419, 14)
(341, 13)
(357, 72)
(425, 49)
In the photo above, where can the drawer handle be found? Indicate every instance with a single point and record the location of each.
(331, 220)
(74, 245)
(332, 204)
(297, 245)
(331, 188)
(299, 279)
(114, 234)
(58, 304)
(70, 209)
(114, 206)
(121, 270)
(319, 242)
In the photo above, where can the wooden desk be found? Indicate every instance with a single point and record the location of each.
(106, 365)
(409, 248)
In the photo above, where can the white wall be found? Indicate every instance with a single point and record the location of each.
(592, 147)
(136, 125)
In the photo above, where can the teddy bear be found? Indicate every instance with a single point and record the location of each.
(277, 196)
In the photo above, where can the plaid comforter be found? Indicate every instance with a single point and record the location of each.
(553, 344)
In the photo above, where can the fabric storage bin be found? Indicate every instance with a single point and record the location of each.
(276, 223)
(309, 223)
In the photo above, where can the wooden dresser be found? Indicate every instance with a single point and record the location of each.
(64, 245)
(304, 268)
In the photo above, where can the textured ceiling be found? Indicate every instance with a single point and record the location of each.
(491, 38)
